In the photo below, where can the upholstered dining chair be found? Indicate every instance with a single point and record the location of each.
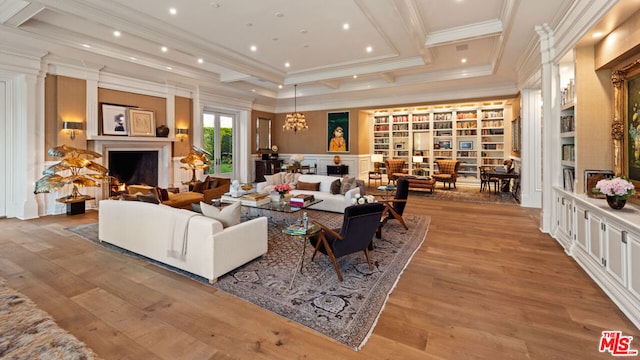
(394, 208)
(447, 172)
(358, 228)
(395, 168)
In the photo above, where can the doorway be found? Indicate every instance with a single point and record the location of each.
(218, 140)
(3, 150)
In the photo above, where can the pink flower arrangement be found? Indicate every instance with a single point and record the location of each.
(620, 187)
(282, 189)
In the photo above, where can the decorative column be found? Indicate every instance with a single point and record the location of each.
(617, 127)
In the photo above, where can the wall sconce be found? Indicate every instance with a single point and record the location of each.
(71, 127)
(182, 133)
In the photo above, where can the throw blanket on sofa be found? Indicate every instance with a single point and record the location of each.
(180, 231)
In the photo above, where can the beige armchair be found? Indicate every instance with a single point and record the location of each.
(447, 172)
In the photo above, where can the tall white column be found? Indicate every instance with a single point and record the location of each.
(550, 125)
(531, 151)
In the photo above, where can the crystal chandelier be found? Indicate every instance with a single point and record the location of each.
(295, 122)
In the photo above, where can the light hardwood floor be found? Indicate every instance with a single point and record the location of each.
(486, 284)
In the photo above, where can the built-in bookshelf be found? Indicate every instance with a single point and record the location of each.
(473, 135)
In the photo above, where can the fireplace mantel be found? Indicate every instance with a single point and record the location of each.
(105, 144)
(132, 138)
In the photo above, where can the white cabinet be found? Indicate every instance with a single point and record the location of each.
(615, 249)
(606, 244)
(633, 261)
(564, 223)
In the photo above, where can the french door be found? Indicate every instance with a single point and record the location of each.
(3, 152)
(218, 140)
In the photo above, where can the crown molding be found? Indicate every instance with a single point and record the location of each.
(461, 33)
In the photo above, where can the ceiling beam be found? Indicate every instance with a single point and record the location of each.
(388, 77)
(410, 13)
(464, 33)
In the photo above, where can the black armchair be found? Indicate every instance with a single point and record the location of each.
(358, 228)
(394, 208)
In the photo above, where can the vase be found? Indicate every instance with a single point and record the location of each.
(615, 202)
(336, 159)
(283, 199)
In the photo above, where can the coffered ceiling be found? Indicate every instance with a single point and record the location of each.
(419, 50)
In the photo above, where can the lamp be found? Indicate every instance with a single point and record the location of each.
(295, 121)
(417, 160)
(182, 133)
(72, 127)
(376, 159)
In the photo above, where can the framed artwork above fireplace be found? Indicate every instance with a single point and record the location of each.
(114, 120)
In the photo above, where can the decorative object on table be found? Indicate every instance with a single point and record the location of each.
(591, 178)
(141, 122)
(79, 170)
(359, 199)
(295, 121)
(336, 159)
(376, 159)
(198, 159)
(235, 187)
(246, 187)
(163, 131)
(282, 190)
(274, 153)
(338, 131)
(296, 160)
(617, 190)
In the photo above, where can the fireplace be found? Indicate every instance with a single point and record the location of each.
(134, 167)
(135, 162)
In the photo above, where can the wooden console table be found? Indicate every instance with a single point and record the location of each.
(339, 170)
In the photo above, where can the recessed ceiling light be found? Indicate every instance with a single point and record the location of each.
(355, 76)
(173, 11)
(132, 58)
(169, 67)
(200, 61)
(463, 60)
(254, 48)
(596, 34)
(86, 45)
(369, 49)
(164, 49)
(116, 33)
(345, 26)
(254, 90)
(287, 64)
(280, 86)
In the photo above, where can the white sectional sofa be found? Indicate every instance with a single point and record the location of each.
(330, 202)
(181, 238)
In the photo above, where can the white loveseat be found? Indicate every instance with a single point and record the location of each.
(330, 202)
(181, 238)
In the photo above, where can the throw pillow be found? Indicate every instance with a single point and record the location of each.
(148, 197)
(198, 187)
(196, 208)
(128, 197)
(290, 178)
(363, 188)
(161, 194)
(228, 216)
(308, 186)
(274, 179)
(348, 183)
(213, 183)
(335, 187)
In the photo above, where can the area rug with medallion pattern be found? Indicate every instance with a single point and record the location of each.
(345, 311)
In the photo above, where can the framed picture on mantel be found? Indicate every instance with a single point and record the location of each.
(142, 123)
(114, 120)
